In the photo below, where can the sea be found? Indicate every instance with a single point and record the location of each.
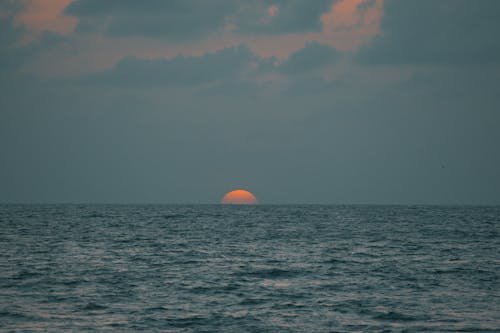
(261, 268)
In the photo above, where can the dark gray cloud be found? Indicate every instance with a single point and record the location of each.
(188, 19)
(9, 33)
(13, 52)
(291, 16)
(175, 19)
(228, 68)
(225, 64)
(312, 56)
(428, 31)
(364, 6)
(11, 57)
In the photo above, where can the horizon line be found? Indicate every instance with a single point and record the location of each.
(257, 204)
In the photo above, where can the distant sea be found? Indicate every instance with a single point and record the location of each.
(264, 268)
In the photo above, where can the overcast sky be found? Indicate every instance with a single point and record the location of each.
(347, 101)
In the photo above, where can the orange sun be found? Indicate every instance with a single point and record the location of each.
(239, 197)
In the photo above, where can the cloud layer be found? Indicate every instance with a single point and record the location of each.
(181, 20)
(226, 64)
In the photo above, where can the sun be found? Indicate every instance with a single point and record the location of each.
(239, 197)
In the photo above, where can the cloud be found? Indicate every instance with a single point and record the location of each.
(13, 52)
(312, 56)
(45, 15)
(175, 19)
(280, 16)
(8, 35)
(229, 68)
(191, 19)
(225, 64)
(428, 31)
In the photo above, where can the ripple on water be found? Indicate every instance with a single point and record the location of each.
(205, 268)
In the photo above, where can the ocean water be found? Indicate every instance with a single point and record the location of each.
(214, 268)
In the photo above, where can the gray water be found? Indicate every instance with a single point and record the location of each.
(213, 268)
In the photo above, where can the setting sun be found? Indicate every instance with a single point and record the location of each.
(239, 197)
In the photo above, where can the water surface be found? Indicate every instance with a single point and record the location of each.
(213, 268)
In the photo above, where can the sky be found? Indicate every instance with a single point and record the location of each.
(181, 101)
